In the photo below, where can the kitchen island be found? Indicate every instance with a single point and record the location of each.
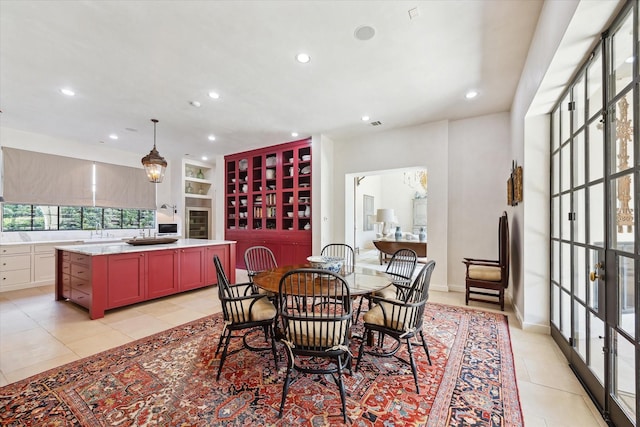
(104, 276)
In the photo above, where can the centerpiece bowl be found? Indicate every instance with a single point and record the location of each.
(333, 264)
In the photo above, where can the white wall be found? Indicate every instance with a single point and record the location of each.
(422, 146)
(479, 165)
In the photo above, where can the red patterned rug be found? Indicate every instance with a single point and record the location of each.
(168, 379)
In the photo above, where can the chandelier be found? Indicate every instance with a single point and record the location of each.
(154, 164)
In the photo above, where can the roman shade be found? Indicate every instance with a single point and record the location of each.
(46, 179)
(124, 187)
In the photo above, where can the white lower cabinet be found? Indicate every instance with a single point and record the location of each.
(27, 265)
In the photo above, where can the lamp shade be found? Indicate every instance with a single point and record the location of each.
(385, 215)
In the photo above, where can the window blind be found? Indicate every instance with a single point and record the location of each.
(47, 179)
(124, 187)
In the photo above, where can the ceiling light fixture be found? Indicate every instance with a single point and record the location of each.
(364, 33)
(67, 91)
(365, 118)
(214, 95)
(303, 58)
(113, 136)
(294, 134)
(211, 138)
(471, 94)
(195, 103)
(154, 164)
(205, 158)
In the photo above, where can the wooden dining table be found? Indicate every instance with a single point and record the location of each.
(360, 280)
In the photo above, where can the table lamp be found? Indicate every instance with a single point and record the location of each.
(386, 217)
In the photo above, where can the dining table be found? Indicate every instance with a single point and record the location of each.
(360, 280)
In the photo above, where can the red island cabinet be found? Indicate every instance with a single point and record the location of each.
(192, 268)
(268, 201)
(100, 282)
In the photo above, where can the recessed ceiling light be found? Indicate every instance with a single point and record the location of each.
(364, 33)
(195, 103)
(471, 94)
(294, 134)
(67, 91)
(629, 60)
(214, 95)
(365, 118)
(211, 138)
(205, 158)
(303, 58)
(113, 136)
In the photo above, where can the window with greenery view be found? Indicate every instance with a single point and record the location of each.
(21, 217)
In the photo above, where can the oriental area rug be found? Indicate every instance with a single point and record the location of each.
(169, 379)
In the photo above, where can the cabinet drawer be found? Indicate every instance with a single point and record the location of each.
(16, 277)
(44, 249)
(15, 262)
(81, 271)
(15, 249)
(81, 298)
(80, 285)
(66, 268)
(66, 286)
(66, 256)
(79, 258)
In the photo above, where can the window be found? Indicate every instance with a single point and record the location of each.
(23, 217)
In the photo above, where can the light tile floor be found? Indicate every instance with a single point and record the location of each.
(38, 333)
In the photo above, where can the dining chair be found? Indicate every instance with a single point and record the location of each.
(401, 320)
(490, 278)
(400, 270)
(258, 259)
(315, 332)
(340, 250)
(243, 310)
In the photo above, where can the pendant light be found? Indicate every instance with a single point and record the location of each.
(154, 164)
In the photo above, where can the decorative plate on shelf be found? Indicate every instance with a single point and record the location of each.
(305, 170)
(304, 184)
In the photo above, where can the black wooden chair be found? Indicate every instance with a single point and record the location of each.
(490, 278)
(258, 259)
(400, 319)
(340, 250)
(243, 310)
(315, 332)
(400, 270)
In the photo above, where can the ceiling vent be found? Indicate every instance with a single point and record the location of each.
(376, 123)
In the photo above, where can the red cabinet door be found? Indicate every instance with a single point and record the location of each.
(162, 273)
(125, 279)
(223, 254)
(192, 268)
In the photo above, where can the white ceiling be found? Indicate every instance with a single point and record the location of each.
(130, 61)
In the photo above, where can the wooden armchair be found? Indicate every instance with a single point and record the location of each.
(490, 278)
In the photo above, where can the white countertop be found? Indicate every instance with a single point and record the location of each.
(119, 248)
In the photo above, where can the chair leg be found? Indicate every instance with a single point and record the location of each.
(426, 348)
(413, 365)
(466, 296)
(343, 397)
(285, 386)
(361, 350)
(224, 353)
(273, 346)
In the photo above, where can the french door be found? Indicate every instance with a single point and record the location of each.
(595, 249)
